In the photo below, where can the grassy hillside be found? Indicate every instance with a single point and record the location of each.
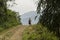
(38, 32)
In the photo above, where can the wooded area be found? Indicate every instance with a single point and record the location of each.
(8, 18)
(50, 15)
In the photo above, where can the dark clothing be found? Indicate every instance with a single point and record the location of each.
(29, 21)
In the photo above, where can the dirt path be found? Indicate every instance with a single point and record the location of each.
(13, 34)
(18, 34)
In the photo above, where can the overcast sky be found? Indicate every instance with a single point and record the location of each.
(23, 6)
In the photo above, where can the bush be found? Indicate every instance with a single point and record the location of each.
(38, 32)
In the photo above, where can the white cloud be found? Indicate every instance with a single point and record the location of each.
(23, 6)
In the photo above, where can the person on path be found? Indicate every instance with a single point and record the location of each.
(29, 21)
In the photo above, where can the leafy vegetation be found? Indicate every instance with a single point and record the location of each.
(38, 32)
(8, 18)
(50, 15)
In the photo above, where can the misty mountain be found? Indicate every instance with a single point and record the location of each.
(25, 17)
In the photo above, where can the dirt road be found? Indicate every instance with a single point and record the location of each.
(13, 34)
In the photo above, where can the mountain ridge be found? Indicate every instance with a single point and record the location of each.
(25, 17)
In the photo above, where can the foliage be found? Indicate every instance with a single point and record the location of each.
(8, 18)
(11, 20)
(38, 32)
(50, 15)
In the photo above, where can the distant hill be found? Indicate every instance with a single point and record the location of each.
(25, 17)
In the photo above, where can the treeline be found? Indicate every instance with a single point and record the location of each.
(8, 18)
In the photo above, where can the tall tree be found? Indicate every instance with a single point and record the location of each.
(50, 10)
(3, 10)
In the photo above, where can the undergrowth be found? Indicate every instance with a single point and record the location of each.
(38, 32)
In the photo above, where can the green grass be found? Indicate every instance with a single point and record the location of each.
(5, 30)
(38, 32)
(6, 26)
